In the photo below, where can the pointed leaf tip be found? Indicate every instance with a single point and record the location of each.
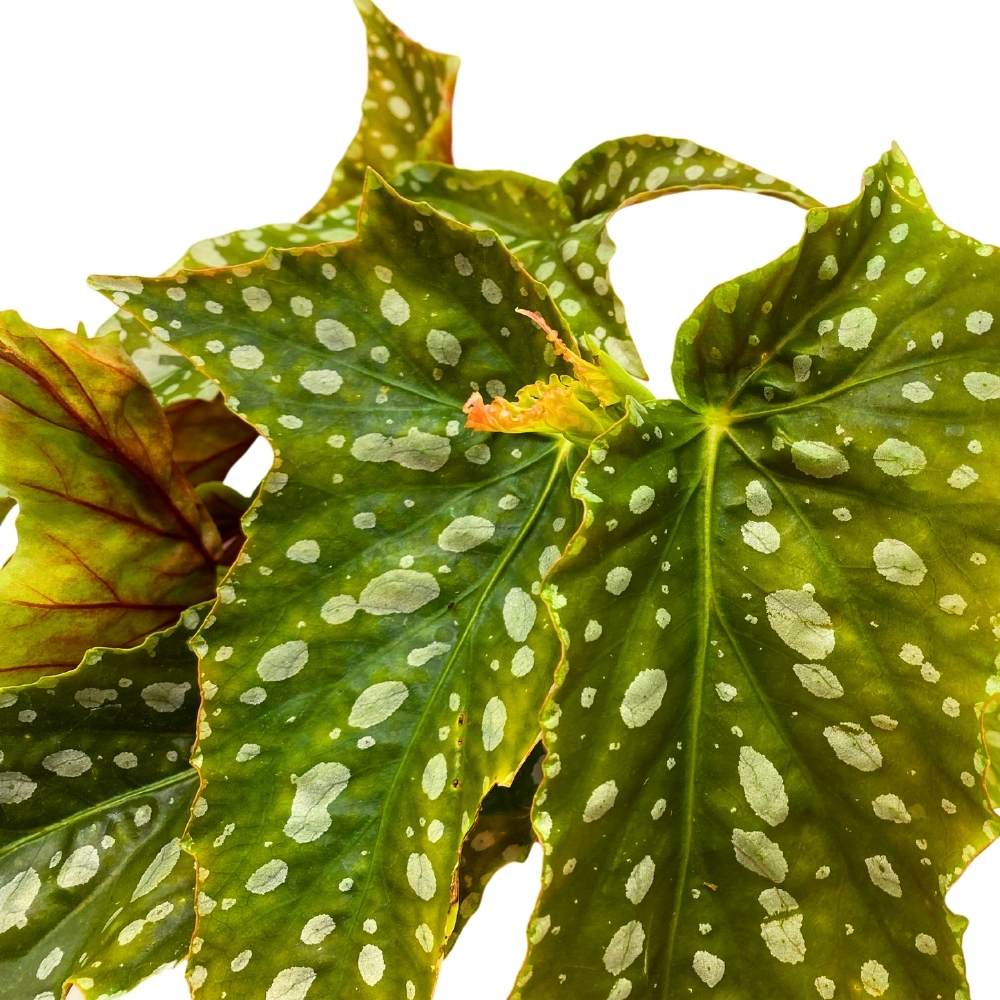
(86, 450)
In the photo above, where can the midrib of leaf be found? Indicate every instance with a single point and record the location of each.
(706, 600)
(562, 451)
(714, 436)
(102, 807)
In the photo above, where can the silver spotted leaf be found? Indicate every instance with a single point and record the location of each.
(95, 795)
(406, 112)
(769, 756)
(611, 176)
(380, 653)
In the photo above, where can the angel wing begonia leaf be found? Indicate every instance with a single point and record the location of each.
(767, 759)
(376, 646)
(95, 795)
(86, 450)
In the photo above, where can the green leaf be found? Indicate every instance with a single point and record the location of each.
(168, 373)
(611, 176)
(768, 758)
(380, 650)
(627, 171)
(406, 112)
(86, 451)
(95, 794)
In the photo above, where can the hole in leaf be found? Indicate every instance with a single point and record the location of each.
(974, 896)
(164, 984)
(251, 467)
(700, 241)
(8, 530)
(488, 953)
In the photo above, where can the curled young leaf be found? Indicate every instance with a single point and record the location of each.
(777, 621)
(95, 795)
(86, 451)
(381, 651)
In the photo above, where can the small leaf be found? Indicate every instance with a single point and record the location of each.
(96, 791)
(86, 450)
(382, 650)
(777, 620)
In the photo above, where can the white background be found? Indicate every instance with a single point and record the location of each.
(129, 130)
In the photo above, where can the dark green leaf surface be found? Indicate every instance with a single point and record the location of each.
(86, 450)
(381, 653)
(95, 794)
(766, 761)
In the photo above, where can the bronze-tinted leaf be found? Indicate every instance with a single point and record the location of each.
(113, 543)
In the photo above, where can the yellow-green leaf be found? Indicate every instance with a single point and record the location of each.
(113, 543)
